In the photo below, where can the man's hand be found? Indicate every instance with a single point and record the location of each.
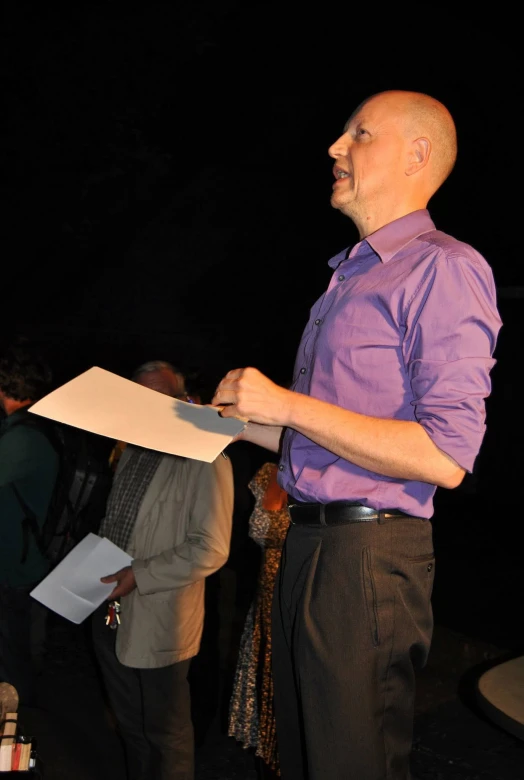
(247, 393)
(125, 579)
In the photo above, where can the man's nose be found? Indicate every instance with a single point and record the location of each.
(339, 148)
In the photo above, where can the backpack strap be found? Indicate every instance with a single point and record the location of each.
(29, 523)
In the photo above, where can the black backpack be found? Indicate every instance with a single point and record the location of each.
(80, 494)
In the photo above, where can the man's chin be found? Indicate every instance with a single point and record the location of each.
(341, 205)
(335, 202)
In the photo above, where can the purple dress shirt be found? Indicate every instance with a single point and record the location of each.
(406, 330)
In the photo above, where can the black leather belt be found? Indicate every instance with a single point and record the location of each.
(340, 512)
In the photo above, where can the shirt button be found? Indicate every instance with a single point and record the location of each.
(341, 278)
(317, 322)
(281, 468)
(302, 370)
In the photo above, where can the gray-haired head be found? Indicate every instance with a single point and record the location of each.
(161, 376)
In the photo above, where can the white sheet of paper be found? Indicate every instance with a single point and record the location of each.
(73, 588)
(107, 404)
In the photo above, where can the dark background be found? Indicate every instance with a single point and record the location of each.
(166, 177)
(166, 186)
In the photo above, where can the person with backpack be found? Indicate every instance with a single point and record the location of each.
(28, 472)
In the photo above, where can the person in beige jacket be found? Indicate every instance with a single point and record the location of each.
(173, 515)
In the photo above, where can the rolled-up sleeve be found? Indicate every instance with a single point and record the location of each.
(452, 329)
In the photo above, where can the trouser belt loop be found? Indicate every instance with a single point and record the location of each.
(381, 517)
(323, 514)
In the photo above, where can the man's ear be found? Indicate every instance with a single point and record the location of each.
(418, 155)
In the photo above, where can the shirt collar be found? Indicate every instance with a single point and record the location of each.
(387, 241)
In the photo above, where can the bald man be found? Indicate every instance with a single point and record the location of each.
(386, 405)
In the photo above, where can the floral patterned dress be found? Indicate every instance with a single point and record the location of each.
(251, 714)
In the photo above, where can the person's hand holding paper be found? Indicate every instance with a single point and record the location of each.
(125, 582)
(74, 588)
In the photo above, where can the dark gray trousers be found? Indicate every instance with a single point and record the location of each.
(152, 708)
(352, 621)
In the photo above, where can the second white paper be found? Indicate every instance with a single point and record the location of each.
(73, 588)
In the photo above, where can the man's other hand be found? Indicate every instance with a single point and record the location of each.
(125, 579)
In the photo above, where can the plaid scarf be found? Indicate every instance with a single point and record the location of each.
(127, 493)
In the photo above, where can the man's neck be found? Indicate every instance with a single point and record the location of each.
(379, 218)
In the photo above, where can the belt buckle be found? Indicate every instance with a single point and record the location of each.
(290, 507)
(318, 510)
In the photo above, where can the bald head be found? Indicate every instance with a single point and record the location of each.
(397, 148)
(423, 116)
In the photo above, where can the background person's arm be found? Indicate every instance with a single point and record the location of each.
(206, 546)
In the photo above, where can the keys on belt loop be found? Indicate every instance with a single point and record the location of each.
(113, 614)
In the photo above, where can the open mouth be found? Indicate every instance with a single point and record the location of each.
(339, 173)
